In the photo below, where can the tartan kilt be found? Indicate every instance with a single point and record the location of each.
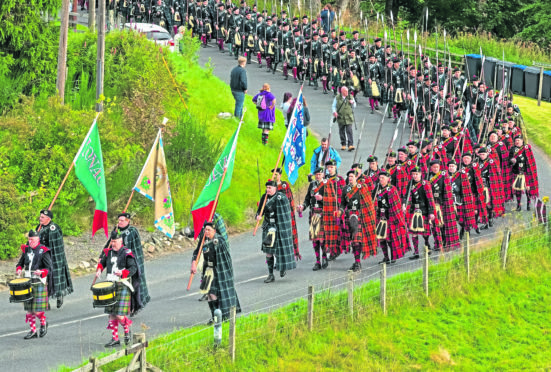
(122, 304)
(318, 211)
(40, 299)
(330, 231)
(265, 125)
(268, 250)
(396, 238)
(426, 224)
(467, 216)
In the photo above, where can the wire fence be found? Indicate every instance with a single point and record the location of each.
(379, 289)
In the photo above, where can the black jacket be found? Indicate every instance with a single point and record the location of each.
(238, 79)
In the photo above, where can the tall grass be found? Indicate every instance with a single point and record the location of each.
(497, 320)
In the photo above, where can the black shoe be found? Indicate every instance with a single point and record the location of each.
(317, 267)
(325, 91)
(392, 261)
(282, 273)
(270, 278)
(204, 298)
(355, 267)
(30, 335)
(477, 230)
(113, 343)
(528, 207)
(210, 322)
(414, 257)
(249, 62)
(127, 337)
(296, 81)
(490, 222)
(324, 263)
(372, 112)
(384, 260)
(286, 77)
(43, 330)
(484, 227)
(395, 120)
(517, 209)
(59, 302)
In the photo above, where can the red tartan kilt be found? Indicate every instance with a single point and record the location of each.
(467, 216)
(426, 224)
(358, 238)
(295, 231)
(396, 238)
(329, 230)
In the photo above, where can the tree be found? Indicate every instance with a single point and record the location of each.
(28, 43)
(536, 18)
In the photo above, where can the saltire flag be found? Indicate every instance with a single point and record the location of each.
(88, 164)
(204, 205)
(153, 184)
(294, 144)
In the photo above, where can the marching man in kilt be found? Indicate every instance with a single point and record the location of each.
(36, 260)
(420, 210)
(463, 198)
(475, 179)
(332, 193)
(122, 268)
(51, 237)
(314, 200)
(493, 186)
(285, 188)
(445, 232)
(277, 231)
(398, 174)
(218, 279)
(391, 227)
(132, 241)
(359, 216)
(524, 172)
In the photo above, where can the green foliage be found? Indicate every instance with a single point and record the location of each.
(537, 22)
(31, 43)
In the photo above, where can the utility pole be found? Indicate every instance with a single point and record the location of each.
(92, 15)
(62, 53)
(100, 54)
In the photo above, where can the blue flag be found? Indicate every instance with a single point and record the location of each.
(294, 145)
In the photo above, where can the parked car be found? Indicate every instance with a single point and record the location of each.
(152, 32)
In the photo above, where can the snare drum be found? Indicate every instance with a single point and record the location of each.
(21, 290)
(104, 294)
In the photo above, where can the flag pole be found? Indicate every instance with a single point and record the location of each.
(278, 159)
(214, 206)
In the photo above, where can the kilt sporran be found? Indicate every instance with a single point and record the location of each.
(520, 183)
(417, 224)
(315, 226)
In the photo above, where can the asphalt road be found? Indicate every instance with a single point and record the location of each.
(77, 330)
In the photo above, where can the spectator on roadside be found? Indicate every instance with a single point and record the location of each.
(343, 112)
(323, 154)
(287, 100)
(265, 103)
(305, 113)
(238, 86)
(327, 16)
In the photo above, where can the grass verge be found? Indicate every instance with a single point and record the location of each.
(497, 320)
(537, 123)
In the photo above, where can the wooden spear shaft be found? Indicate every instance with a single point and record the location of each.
(61, 186)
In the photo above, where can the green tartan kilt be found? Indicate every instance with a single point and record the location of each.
(268, 250)
(40, 299)
(122, 304)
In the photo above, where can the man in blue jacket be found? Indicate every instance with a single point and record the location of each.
(320, 154)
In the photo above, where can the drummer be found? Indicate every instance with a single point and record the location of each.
(122, 269)
(36, 261)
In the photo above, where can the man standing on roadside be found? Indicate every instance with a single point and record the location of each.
(343, 113)
(238, 86)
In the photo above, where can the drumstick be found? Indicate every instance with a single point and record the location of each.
(94, 281)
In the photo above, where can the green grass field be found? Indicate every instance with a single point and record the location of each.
(537, 120)
(496, 321)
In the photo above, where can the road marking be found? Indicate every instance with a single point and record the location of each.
(56, 325)
(197, 293)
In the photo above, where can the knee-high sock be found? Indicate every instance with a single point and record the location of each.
(372, 103)
(269, 62)
(518, 195)
(324, 83)
(285, 70)
(415, 240)
(259, 57)
(295, 72)
(126, 323)
(357, 252)
(316, 245)
(42, 316)
(426, 241)
(113, 325)
(29, 318)
(270, 261)
(384, 248)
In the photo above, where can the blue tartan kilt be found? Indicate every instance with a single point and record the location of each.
(40, 299)
(122, 304)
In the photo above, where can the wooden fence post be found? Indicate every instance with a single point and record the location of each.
(94, 362)
(467, 256)
(310, 307)
(505, 247)
(426, 271)
(140, 338)
(383, 288)
(351, 293)
(232, 333)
